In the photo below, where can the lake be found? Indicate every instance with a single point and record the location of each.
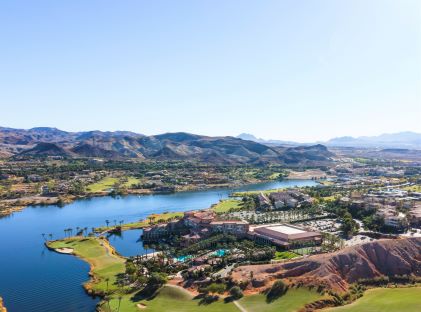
(32, 278)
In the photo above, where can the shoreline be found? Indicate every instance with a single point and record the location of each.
(37, 200)
(94, 278)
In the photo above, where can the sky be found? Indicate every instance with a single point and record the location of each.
(293, 70)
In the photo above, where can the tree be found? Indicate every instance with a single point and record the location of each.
(215, 288)
(157, 279)
(277, 290)
(107, 280)
(130, 268)
(349, 227)
(236, 292)
(119, 302)
(77, 188)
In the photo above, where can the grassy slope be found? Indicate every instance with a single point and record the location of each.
(293, 300)
(176, 300)
(385, 300)
(226, 205)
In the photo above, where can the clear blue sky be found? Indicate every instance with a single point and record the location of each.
(300, 70)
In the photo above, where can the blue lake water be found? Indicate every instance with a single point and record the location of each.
(128, 243)
(32, 278)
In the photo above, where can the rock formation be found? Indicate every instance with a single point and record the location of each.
(338, 270)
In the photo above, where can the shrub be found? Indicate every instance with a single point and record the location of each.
(277, 290)
(215, 288)
(236, 292)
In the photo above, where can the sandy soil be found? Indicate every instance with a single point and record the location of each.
(64, 250)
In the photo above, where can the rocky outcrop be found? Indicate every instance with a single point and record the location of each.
(2, 308)
(338, 270)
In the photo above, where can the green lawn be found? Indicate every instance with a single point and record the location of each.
(385, 300)
(279, 255)
(102, 185)
(106, 183)
(226, 205)
(293, 300)
(172, 299)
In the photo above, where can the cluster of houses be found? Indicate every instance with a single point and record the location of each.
(283, 200)
(397, 207)
(198, 225)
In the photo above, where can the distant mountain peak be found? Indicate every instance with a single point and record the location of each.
(405, 140)
(248, 136)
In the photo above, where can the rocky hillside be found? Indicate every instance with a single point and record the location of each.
(338, 270)
(41, 142)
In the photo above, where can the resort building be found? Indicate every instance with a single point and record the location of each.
(196, 225)
(197, 219)
(238, 228)
(284, 235)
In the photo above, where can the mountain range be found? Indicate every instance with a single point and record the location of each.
(45, 141)
(405, 140)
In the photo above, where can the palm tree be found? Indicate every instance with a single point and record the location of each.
(107, 222)
(43, 236)
(51, 236)
(107, 300)
(151, 218)
(107, 280)
(119, 302)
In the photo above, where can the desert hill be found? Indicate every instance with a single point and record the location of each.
(338, 270)
(44, 141)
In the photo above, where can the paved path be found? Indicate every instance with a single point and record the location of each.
(224, 271)
(239, 306)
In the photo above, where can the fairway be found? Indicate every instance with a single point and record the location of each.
(385, 300)
(108, 183)
(173, 299)
(293, 300)
(102, 185)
